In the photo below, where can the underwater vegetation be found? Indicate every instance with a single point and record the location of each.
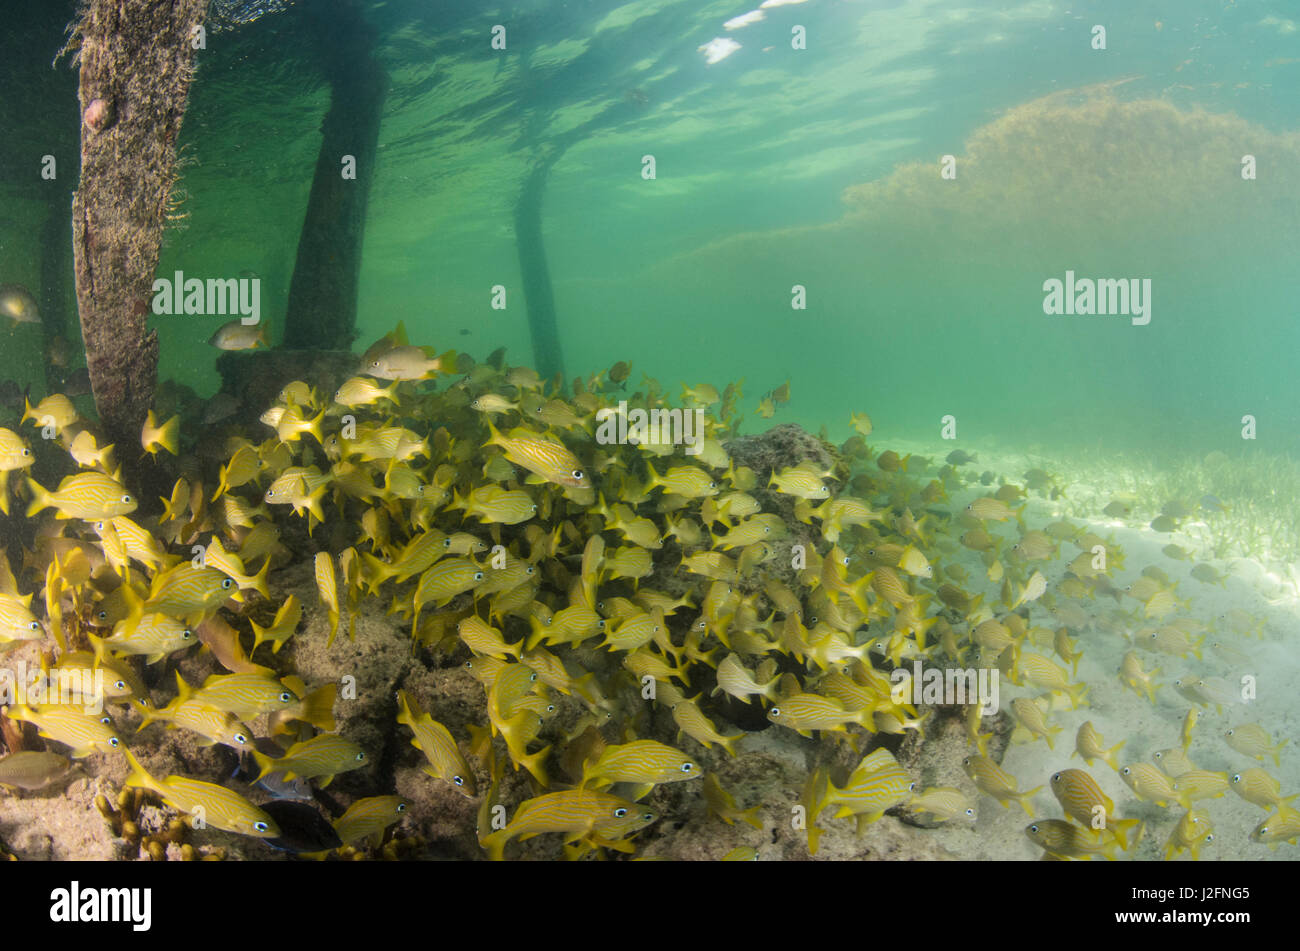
(440, 607)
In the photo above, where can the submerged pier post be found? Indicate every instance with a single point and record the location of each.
(539, 297)
(322, 307)
(137, 61)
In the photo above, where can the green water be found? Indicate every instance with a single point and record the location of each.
(775, 167)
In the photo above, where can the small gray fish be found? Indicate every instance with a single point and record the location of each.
(18, 304)
(239, 336)
(34, 771)
(222, 406)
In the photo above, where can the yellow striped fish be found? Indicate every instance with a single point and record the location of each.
(1193, 830)
(439, 748)
(1083, 800)
(643, 762)
(1067, 840)
(541, 456)
(368, 818)
(326, 755)
(1253, 740)
(992, 779)
(1088, 744)
(72, 726)
(328, 590)
(87, 495)
(578, 813)
(244, 695)
(208, 803)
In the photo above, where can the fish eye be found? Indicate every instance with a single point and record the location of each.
(971, 813)
(1236, 777)
(1032, 828)
(107, 720)
(186, 634)
(620, 812)
(260, 826)
(458, 780)
(1229, 733)
(687, 767)
(240, 739)
(102, 615)
(478, 576)
(34, 626)
(446, 543)
(1126, 771)
(114, 742)
(533, 678)
(550, 708)
(401, 807)
(1056, 777)
(286, 697)
(361, 757)
(774, 712)
(26, 451)
(226, 583)
(126, 500)
(119, 684)
(577, 473)
(270, 492)
(1209, 837)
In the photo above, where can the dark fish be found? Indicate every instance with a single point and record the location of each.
(464, 331)
(222, 406)
(302, 828)
(77, 383)
(497, 358)
(11, 394)
(57, 351)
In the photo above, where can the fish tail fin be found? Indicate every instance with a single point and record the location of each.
(535, 763)
(313, 427)
(1119, 828)
(728, 743)
(1025, 800)
(170, 434)
(318, 707)
(259, 579)
(184, 690)
(99, 649)
(267, 764)
(313, 503)
(139, 776)
(1078, 694)
(40, 497)
(1277, 752)
(1110, 758)
(495, 844)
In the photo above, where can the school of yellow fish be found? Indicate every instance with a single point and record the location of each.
(651, 575)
